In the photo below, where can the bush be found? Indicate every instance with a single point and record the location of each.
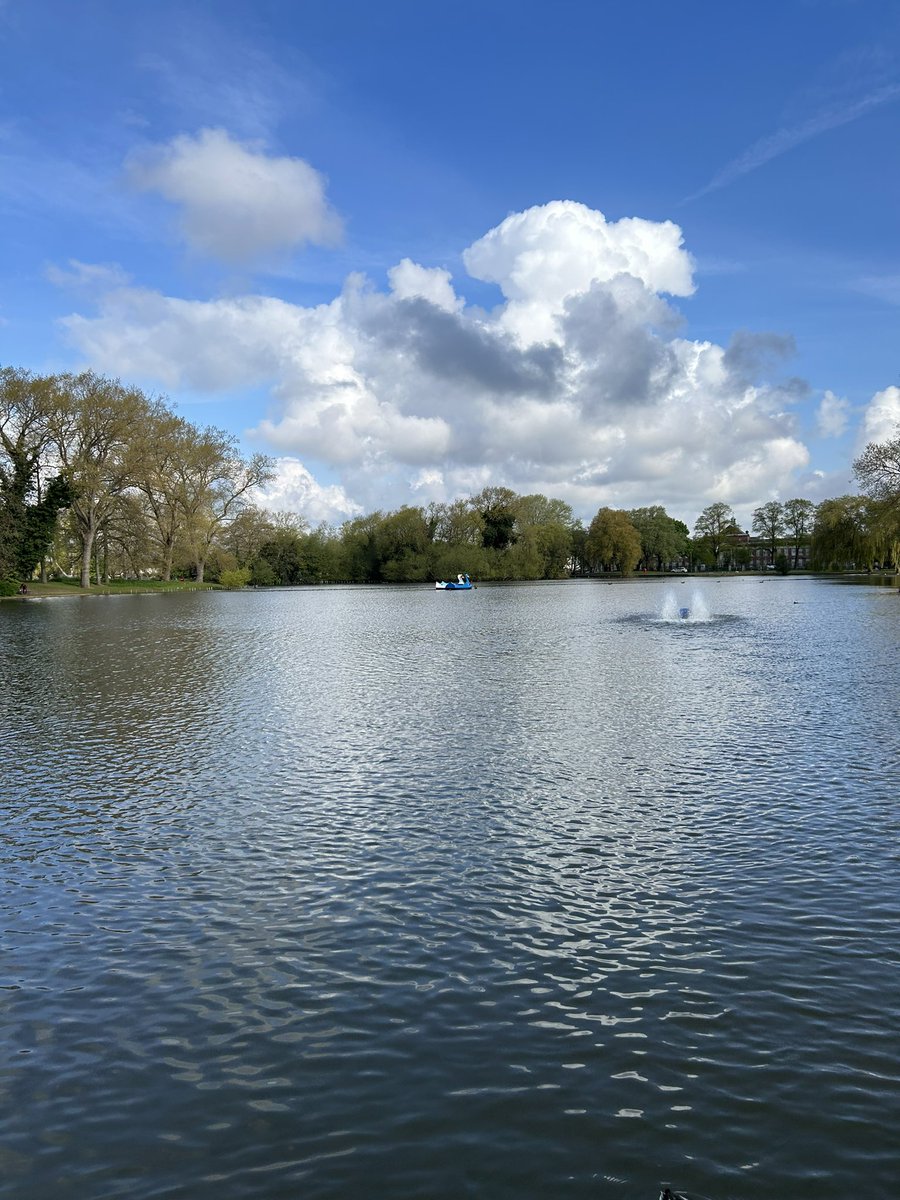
(262, 574)
(782, 566)
(8, 588)
(237, 578)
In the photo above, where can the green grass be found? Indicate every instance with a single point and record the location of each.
(117, 587)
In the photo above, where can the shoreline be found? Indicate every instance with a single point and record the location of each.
(49, 591)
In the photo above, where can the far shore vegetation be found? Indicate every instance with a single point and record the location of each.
(106, 490)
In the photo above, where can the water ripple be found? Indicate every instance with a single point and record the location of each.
(351, 892)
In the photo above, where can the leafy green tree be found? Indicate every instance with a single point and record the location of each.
(451, 559)
(700, 553)
(555, 543)
(768, 523)
(283, 553)
(319, 555)
(537, 509)
(29, 501)
(249, 531)
(261, 573)
(457, 524)
(293, 554)
(613, 543)
(497, 508)
(544, 526)
(579, 549)
(402, 541)
(524, 559)
(663, 539)
(714, 526)
(359, 557)
(39, 525)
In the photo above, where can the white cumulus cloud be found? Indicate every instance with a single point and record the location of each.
(237, 203)
(294, 489)
(881, 420)
(545, 255)
(833, 415)
(580, 384)
(409, 280)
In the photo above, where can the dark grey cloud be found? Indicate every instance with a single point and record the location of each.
(751, 355)
(624, 363)
(450, 346)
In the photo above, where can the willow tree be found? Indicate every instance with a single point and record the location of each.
(545, 527)
(612, 542)
(844, 534)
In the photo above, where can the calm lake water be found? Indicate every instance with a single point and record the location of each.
(382, 892)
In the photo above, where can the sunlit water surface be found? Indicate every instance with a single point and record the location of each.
(531, 891)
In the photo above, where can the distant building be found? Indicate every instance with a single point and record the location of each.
(761, 557)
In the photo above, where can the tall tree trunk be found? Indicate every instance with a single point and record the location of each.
(167, 560)
(87, 553)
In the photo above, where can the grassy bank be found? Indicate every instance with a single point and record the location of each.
(120, 587)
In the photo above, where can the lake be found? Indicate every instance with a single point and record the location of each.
(531, 891)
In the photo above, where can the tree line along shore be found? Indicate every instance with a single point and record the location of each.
(100, 482)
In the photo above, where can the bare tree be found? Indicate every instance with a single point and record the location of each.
(878, 470)
(159, 449)
(798, 520)
(215, 483)
(768, 522)
(93, 428)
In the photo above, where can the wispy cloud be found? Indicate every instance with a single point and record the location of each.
(883, 287)
(789, 136)
(206, 76)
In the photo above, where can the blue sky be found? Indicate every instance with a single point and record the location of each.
(621, 254)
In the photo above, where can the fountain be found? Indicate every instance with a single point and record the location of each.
(674, 609)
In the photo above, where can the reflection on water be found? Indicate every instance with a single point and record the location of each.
(351, 892)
